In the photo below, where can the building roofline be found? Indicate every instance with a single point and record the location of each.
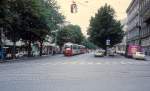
(130, 5)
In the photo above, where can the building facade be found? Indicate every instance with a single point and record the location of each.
(138, 24)
(132, 22)
(144, 13)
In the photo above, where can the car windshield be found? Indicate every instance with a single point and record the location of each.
(139, 53)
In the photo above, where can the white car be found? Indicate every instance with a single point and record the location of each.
(139, 55)
(19, 54)
(99, 54)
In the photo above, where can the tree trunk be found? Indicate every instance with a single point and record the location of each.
(41, 47)
(61, 49)
(1, 43)
(14, 46)
(14, 50)
(29, 48)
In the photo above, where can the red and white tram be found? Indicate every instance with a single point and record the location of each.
(71, 49)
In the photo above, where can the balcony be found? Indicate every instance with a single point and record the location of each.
(145, 11)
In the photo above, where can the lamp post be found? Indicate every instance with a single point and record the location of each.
(107, 46)
(139, 29)
(55, 42)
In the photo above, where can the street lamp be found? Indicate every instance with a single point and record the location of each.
(107, 44)
(139, 28)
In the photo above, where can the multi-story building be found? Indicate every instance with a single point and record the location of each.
(138, 24)
(144, 14)
(132, 22)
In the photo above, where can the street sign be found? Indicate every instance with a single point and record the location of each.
(107, 42)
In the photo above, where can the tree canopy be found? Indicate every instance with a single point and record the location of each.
(70, 33)
(88, 44)
(31, 19)
(104, 26)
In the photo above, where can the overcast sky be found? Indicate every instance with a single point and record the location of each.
(88, 8)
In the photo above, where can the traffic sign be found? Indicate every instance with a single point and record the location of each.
(108, 42)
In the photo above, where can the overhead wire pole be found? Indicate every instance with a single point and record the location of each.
(1, 40)
(139, 25)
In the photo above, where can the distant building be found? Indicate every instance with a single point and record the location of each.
(138, 24)
(121, 47)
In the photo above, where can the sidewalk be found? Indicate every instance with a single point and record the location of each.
(26, 59)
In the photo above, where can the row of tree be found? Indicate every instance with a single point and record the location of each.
(72, 33)
(28, 20)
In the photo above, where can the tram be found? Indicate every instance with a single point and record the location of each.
(71, 49)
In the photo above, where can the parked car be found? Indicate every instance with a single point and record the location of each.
(139, 55)
(19, 54)
(99, 53)
(111, 52)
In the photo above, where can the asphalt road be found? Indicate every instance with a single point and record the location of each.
(77, 73)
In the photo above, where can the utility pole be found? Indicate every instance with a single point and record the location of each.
(139, 23)
(107, 46)
(1, 41)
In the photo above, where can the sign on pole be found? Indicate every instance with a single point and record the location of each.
(108, 42)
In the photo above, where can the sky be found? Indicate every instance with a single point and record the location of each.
(88, 8)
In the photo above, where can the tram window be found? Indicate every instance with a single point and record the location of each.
(67, 46)
(74, 47)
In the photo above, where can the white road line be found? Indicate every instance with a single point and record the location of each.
(123, 63)
(82, 63)
(90, 63)
(146, 63)
(64, 63)
(114, 62)
(99, 63)
(96, 63)
(130, 62)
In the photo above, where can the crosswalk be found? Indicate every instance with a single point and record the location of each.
(99, 63)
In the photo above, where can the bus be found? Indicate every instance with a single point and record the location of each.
(70, 49)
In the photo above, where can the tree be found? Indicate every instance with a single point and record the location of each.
(88, 44)
(29, 20)
(104, 26)
(70, 33)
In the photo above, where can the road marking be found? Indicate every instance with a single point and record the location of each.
(90, 63)
(123, 62)
(107, 63)
(82, 63)
(114, 62)
(99, 63)
(130, 62)
(145, 62)
(64, 63)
